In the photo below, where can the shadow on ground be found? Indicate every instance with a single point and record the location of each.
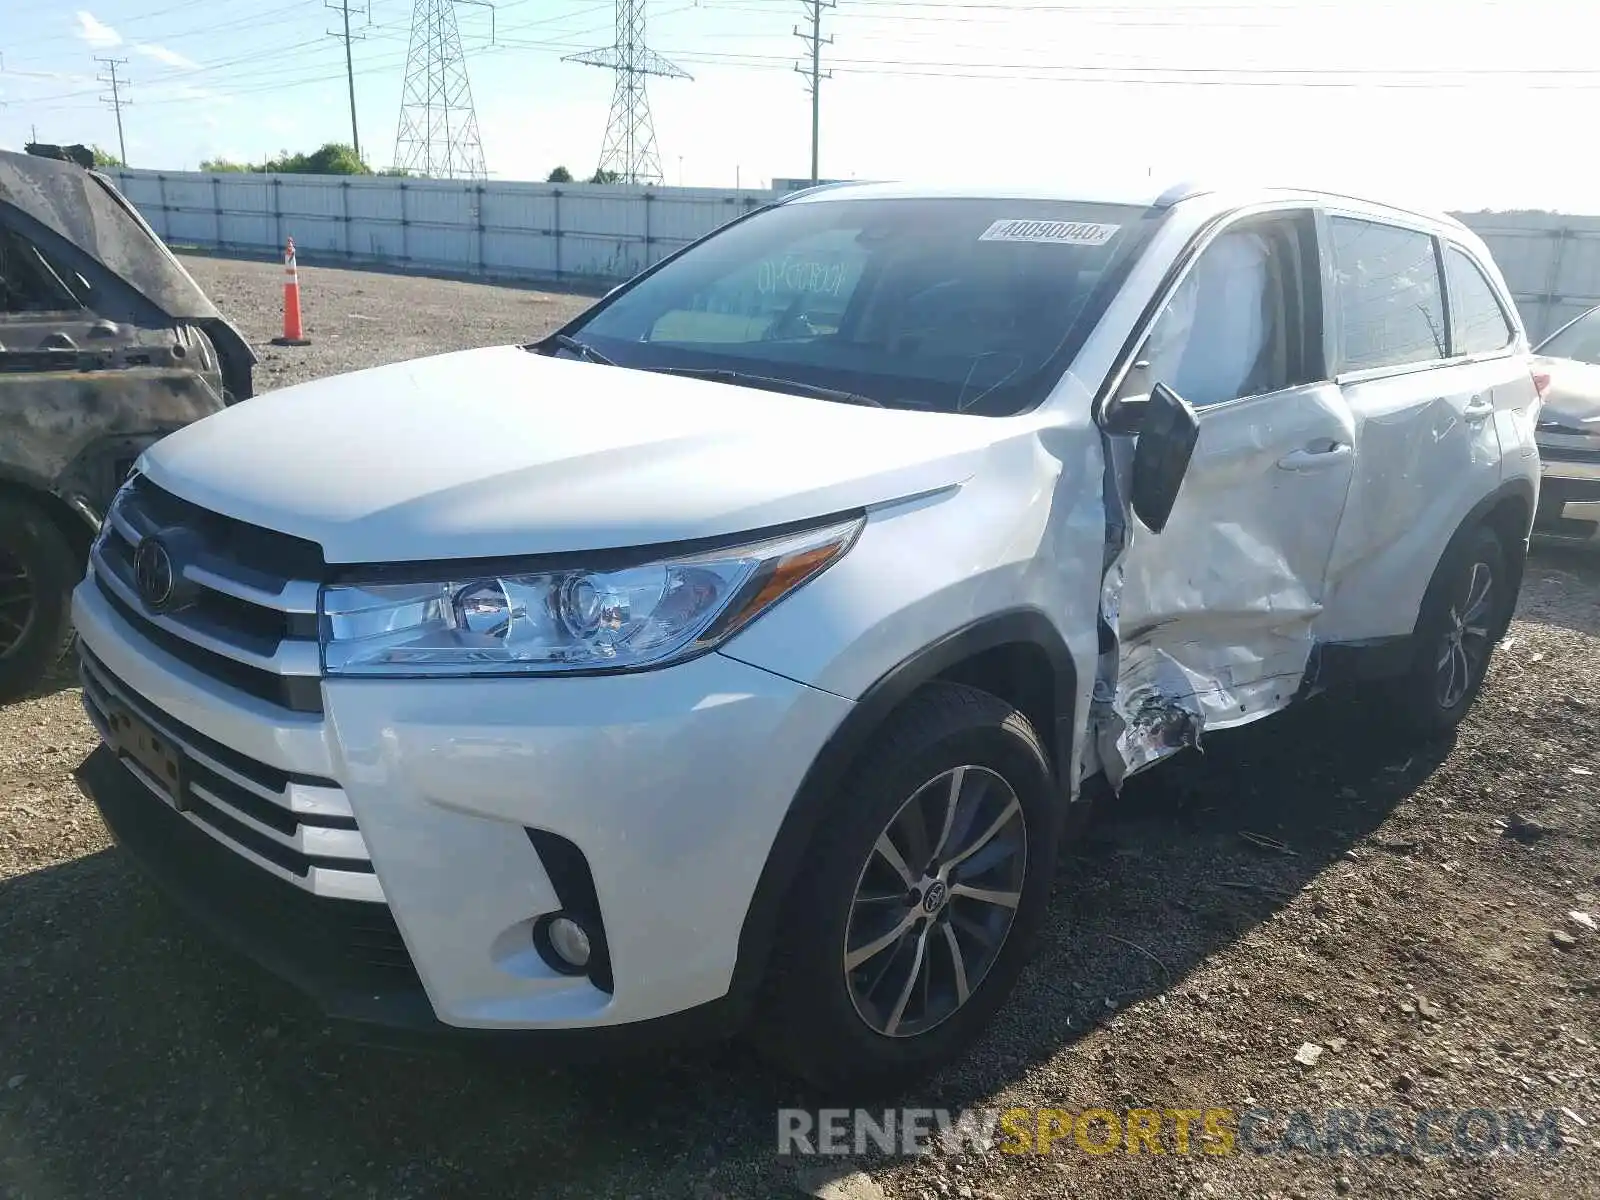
(192, 1074)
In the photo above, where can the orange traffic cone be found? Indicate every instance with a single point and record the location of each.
(292, 333)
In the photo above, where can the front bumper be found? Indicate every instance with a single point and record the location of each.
(672, 784)
(1569, 494)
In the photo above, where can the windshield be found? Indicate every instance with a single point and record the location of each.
(1579, 340)
(952, 305)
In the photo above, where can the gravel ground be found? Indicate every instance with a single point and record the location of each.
(1303, 881)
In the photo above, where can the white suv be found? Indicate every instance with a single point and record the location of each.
(741, 648)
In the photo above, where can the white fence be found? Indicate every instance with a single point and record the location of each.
(514, 230)
(581, 232)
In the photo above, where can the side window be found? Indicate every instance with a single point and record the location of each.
(1242, 322)
(1478, 324)
(1391, 306)
(28, 283)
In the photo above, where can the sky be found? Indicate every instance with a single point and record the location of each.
(1456, 104)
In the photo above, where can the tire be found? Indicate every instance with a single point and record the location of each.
(828, 1024)
(38, 570)
(1456, 632)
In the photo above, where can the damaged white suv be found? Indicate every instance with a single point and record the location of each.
(740, 649)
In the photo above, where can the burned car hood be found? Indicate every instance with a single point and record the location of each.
(85, 209)
(495, 452)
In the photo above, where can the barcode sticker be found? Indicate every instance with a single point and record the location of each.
(1058, 233)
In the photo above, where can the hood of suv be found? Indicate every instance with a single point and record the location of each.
(494, 452)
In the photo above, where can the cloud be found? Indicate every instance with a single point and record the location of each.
(164, 55)
(96, 32)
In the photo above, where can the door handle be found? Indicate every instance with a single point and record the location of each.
(1315, 460)
(1478, 408)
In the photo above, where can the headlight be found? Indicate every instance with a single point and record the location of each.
(548, 622)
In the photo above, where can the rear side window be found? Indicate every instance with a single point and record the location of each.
(1478, 324)
(1390, 302)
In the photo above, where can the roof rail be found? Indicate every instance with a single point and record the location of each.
(1181, 190)
(820, 187)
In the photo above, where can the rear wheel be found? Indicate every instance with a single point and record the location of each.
(38, 571)
(1464, 613)
(917, 905)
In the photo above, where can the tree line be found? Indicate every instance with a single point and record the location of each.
(337, 158)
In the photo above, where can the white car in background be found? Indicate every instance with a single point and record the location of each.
(741, 650)
(1568, 362)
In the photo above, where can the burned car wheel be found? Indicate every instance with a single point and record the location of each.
(38, 570)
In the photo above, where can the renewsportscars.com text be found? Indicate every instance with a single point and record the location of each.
(1210, 1131)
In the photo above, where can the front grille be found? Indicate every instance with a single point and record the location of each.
(273, 557)
(251, 617)
(299, 828)
(331, 946)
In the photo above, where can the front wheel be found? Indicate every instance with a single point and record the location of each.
(917, 906)
(1464, 613)
(38, 571)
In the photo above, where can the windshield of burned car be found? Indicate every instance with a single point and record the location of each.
(1579, 340)
(952, 305)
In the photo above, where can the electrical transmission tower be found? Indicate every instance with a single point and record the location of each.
(343, 6)
(814, 73)
(438, 133)
(629, 151)
(115, 100)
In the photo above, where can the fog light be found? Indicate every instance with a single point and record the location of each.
(569, 941)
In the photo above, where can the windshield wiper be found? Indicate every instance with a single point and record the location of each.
(565, 341)
(769, 383)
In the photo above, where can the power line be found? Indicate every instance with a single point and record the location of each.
(438, 127)
(814, 42)
(629, 150)
(115, 100)
(343, 7)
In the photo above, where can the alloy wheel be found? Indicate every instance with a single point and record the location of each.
(1464, 648)
(16, 602)
(935, 901)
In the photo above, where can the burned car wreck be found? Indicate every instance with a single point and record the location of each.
(106, 345)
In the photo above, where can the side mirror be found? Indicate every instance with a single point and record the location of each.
(1123, 413)
(1167, 437)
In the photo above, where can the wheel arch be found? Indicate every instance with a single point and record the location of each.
(19, 489)
(1018, 655)
(1508, 511)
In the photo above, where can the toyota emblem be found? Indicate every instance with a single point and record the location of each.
(154, 574)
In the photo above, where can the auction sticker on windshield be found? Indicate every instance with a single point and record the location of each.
(1060, 233)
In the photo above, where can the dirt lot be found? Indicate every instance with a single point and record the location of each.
(1407, 931)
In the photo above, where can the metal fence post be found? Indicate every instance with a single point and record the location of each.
(344, 213)
(166, 217)
(649, 200)
(477, 200)
(556, 231)
(1552, 283)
